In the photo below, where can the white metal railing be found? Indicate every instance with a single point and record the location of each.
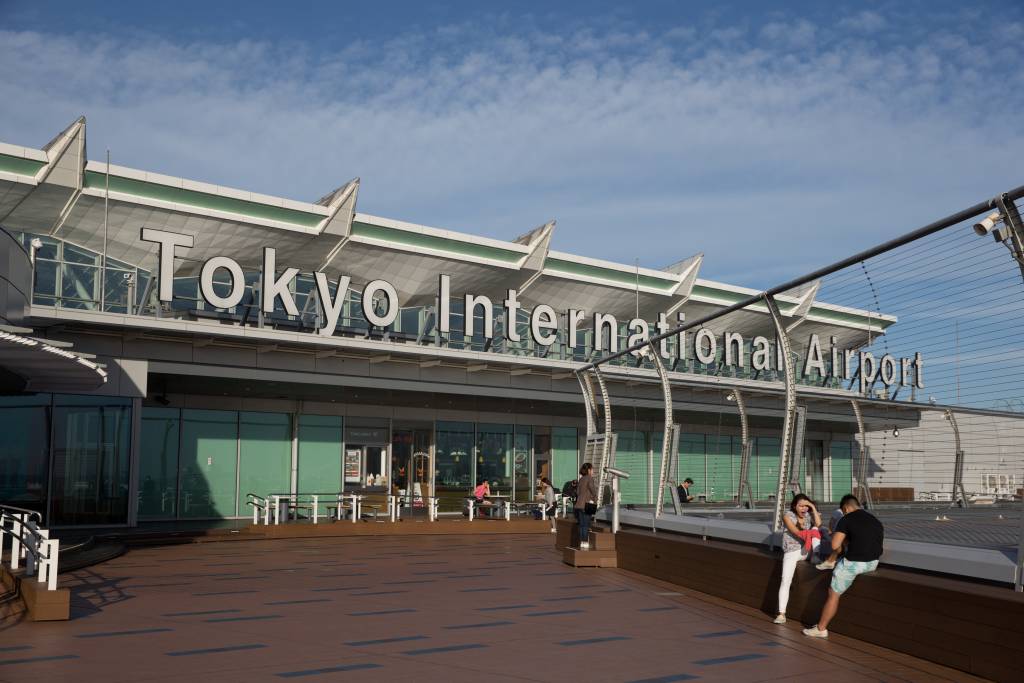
(29, 542)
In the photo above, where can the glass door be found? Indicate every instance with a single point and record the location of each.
(410, 464)
(524, 488)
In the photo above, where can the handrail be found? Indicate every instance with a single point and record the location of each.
(929, 229)
(32, 513)
(39, 548)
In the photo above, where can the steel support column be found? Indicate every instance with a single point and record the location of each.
(670, 433)
(790, 412)
(959, 497)
(607, 447)
(745, 451)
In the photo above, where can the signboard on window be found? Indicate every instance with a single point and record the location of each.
(353, 465)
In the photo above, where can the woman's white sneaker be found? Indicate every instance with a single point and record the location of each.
(781, 619)
(815, 632)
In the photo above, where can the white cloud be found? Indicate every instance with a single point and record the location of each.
(771, 156)
(866, 21)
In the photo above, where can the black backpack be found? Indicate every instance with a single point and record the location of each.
(570, 489)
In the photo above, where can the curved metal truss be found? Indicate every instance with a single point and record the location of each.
(959, 497)
(789, 421)
(669, 436)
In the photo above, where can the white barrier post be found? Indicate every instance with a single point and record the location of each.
(52, 553)
(432, 510)
(391, 507)
(31, 548)
(355, 508)
(471, 501)
(508, 510)
(316, 507)
(255, 513)
(43, 563)
(275, 500)
(15, 540)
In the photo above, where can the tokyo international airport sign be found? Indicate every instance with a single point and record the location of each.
(543, 321)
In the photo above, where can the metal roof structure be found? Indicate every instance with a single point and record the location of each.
(56, 191)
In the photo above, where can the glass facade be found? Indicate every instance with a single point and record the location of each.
(158, 466)
(25, 457)
(69, 457)
(91, 460)
(208, 463)
(320, 453)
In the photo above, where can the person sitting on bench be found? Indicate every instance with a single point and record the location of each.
(481, 493)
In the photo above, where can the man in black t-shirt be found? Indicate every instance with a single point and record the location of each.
(863, 535)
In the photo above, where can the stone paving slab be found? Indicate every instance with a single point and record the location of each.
(501, 608)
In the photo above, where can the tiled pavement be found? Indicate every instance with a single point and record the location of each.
(434, 608)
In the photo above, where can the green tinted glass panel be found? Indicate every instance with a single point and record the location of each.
(453, 471)
(841, 454)
(265, 455)
(91, 445)
(209, 455)
(320, 453)
(723, 464)
(24, 456)
(631, 456)
(766, 467)
(158, 463)
(692, 461)
(564, 455)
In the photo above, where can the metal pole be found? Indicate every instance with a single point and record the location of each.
(615, 505)
(103, 256)
(1019, 584)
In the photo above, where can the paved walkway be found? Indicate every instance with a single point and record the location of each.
(455, 608)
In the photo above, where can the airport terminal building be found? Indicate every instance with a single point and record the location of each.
(169, 346)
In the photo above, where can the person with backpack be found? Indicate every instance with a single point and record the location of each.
(586, 503)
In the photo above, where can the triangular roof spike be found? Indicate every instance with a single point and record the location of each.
(687, 271)
(539, 243)
(680, 267)
(807, 295)
(339, 193)
(342, 206)
(67, 131)
(801, 291)
(530, 237)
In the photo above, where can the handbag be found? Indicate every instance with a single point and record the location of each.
(590, 508)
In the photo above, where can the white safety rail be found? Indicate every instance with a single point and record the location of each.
(29, 542)
(278, 508)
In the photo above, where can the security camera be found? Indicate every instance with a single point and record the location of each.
(616, 472)
(988, 224)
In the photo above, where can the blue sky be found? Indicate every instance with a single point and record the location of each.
(774, 140)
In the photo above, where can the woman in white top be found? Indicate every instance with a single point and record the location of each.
(800, 538)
